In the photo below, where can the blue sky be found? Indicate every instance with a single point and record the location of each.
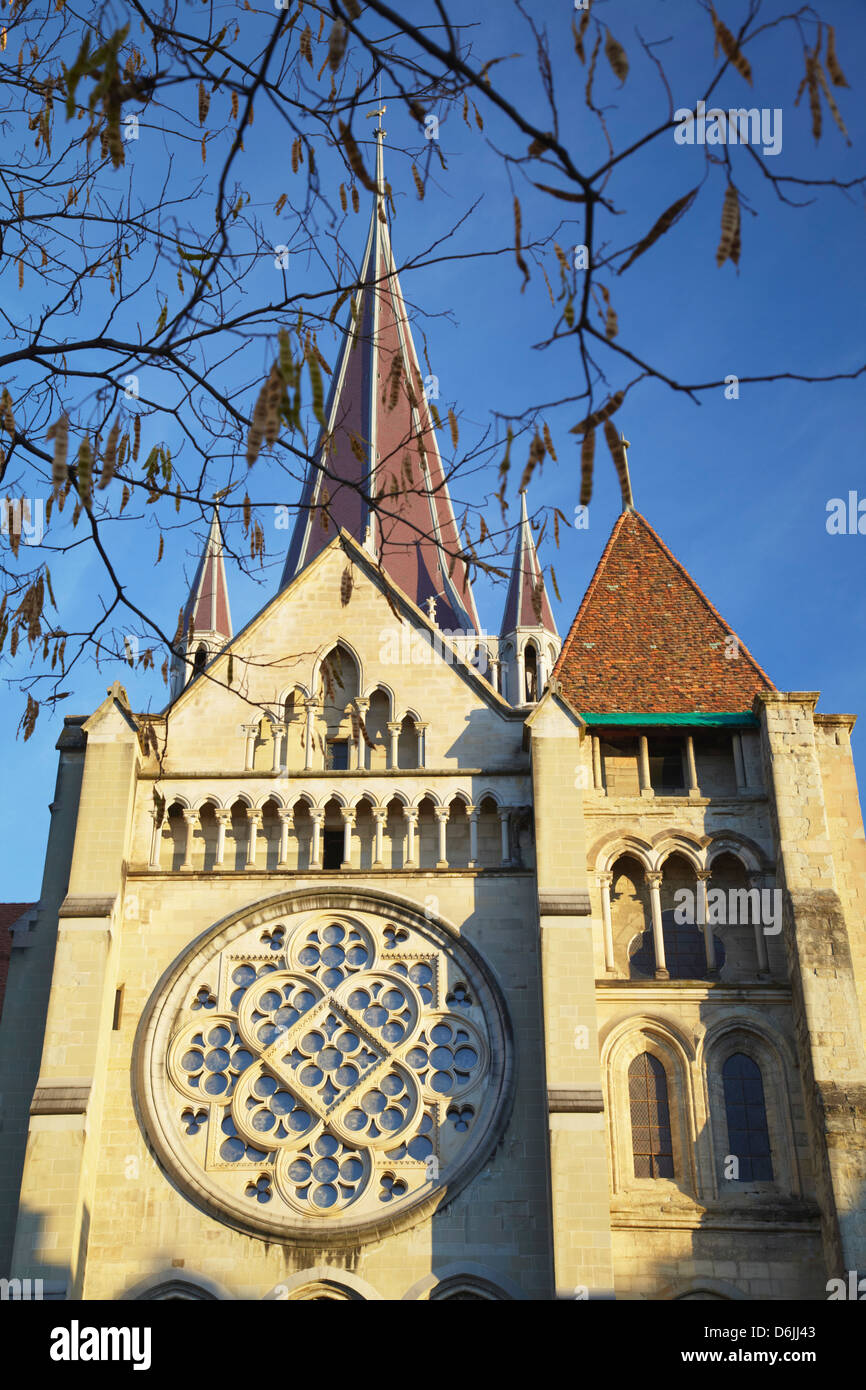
(737, 489)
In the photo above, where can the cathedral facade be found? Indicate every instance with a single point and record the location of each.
(398, 961)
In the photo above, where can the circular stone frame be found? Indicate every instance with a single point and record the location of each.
(153, 1093)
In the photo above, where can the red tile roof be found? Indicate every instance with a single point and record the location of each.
(647, 640)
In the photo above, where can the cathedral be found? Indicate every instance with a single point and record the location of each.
(395, 960)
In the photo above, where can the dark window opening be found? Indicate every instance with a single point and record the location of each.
(337, 755)
(666, 765)
(651, 1141)
(746, 1109)
(332, 849)
(199, 660)
(685, 951)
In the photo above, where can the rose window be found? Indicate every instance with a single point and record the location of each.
(351, 1061)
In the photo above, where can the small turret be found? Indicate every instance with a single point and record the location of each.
(529, 642)
(207, 622)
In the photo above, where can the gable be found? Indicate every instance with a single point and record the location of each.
(647, 640)
(341, 597)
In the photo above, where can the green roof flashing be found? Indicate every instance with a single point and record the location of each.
(743, 720)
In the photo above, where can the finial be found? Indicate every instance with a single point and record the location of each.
(622, 470)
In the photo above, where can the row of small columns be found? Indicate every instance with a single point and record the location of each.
(379, 814)
(646, 788)
(654, 881)
(312, 707)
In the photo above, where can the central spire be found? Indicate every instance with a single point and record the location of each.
(377, 469)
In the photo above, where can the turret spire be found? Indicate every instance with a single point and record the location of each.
(380, 446)
(526, 604)
(529, 642)
(207, 622)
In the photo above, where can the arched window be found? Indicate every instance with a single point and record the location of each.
(748, 1136)
(651, 1141)
(530, 667)
(200, 659)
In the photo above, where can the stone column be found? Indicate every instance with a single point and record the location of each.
(421, 730)
(287, 819)
(411, 814)
(348, 823)
(521, 680)
(703, 878)
(605, 880)
(756, 880)
(317, 817)
(254, 820)
(278, 732)
(442, 813)
(597, 776)
(223, 820)
(494, 673)
(380, 815)
(155, 837)
(310, 707)
(360, 758)
(644, 767)
(394, 728)
(504, 819)
(654, 881)
(473, 814)
(249, 732)
(694, 789)
(190, 821)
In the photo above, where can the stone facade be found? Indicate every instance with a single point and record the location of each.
(536, 838)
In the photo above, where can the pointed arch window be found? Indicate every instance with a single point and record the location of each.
(651, 1140)
(200, 659)
(746, 1109)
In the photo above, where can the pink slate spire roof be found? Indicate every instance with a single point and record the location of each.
(521, 608)
(208, 602)
(380, 444)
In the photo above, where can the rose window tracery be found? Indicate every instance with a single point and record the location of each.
(345, 1071)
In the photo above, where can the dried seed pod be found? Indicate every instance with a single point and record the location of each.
(109, 461)
(837, 76)
(616, 56)
(587, 459)
(731, 48)
(729, 243)
(336, 44)
(658, 229)
(84, 467)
